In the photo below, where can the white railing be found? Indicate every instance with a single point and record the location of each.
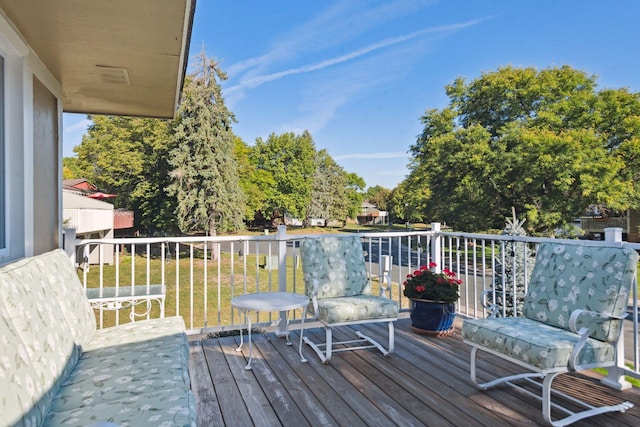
(200, 286)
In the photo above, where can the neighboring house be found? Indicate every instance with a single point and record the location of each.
(123, 220)
(630, 223)
(90, 218)
(371, 215)
(86, 212)
(120, 57)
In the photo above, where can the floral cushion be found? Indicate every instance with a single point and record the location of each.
(32, 309)
(161, 408)
(533, 342)
(56, 369)
(334, 267)
(565, 278)
(569, 277)
(69, 292)
(361, 307)
(20, 386)
(127, 367)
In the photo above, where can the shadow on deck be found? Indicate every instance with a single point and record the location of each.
(424, 382)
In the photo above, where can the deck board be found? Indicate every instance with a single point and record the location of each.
(424, 382)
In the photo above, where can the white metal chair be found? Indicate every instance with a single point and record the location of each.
(573, 318)
(339, 290)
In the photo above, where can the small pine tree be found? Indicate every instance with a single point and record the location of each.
(510, 274)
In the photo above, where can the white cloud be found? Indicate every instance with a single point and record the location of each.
(252, 82)
(82, 125)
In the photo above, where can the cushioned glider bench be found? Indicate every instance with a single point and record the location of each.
(56, 368)
(573, 316)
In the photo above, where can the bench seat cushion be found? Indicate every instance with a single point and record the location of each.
(535, 343)
(158, 361)
(354, 308)
(171, 407)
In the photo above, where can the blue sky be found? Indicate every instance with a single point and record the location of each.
(359, 74)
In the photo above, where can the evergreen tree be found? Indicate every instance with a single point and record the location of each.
(205, 174)
(510, 271)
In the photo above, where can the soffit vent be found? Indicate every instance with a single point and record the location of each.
(113, 75)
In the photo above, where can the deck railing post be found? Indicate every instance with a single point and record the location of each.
(281, 237)
(615, 375)
(436, 251)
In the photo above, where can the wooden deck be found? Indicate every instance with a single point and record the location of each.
(424, 382)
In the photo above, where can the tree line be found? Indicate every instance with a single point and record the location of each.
(193, 175)
(543, 142)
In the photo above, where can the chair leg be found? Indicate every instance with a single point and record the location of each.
(325, 350)
(329, 335)
(572, 417)
(484, 386)
(546, 394)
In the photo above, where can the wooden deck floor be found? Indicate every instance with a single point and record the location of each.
(424, 382)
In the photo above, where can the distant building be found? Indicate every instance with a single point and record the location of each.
(85, 211)
(371, 215)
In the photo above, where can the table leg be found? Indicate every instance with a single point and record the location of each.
(304, 314)
(248, 367)
(247, 319)
(244, 313)
(286, 327)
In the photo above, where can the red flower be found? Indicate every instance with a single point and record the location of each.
(426, 283)
(449, 272)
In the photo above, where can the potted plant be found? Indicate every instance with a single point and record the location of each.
(433, 296)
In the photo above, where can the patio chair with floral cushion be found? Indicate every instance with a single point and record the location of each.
(573, 317)
(339, 290)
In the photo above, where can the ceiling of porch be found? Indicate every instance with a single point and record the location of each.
(124, 57)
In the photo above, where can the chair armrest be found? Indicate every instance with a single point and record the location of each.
(583, 332)
(578, 312)
(573, 357)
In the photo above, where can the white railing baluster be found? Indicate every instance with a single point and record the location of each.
(177, 257)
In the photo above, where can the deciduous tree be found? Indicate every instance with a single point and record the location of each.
(329, 194)
(543, 141)
(286, 164)
(127, 156)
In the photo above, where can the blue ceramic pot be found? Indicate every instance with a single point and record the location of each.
(432, 317)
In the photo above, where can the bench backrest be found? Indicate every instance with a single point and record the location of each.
(334, 267)
(567, 277)
(44, 321)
